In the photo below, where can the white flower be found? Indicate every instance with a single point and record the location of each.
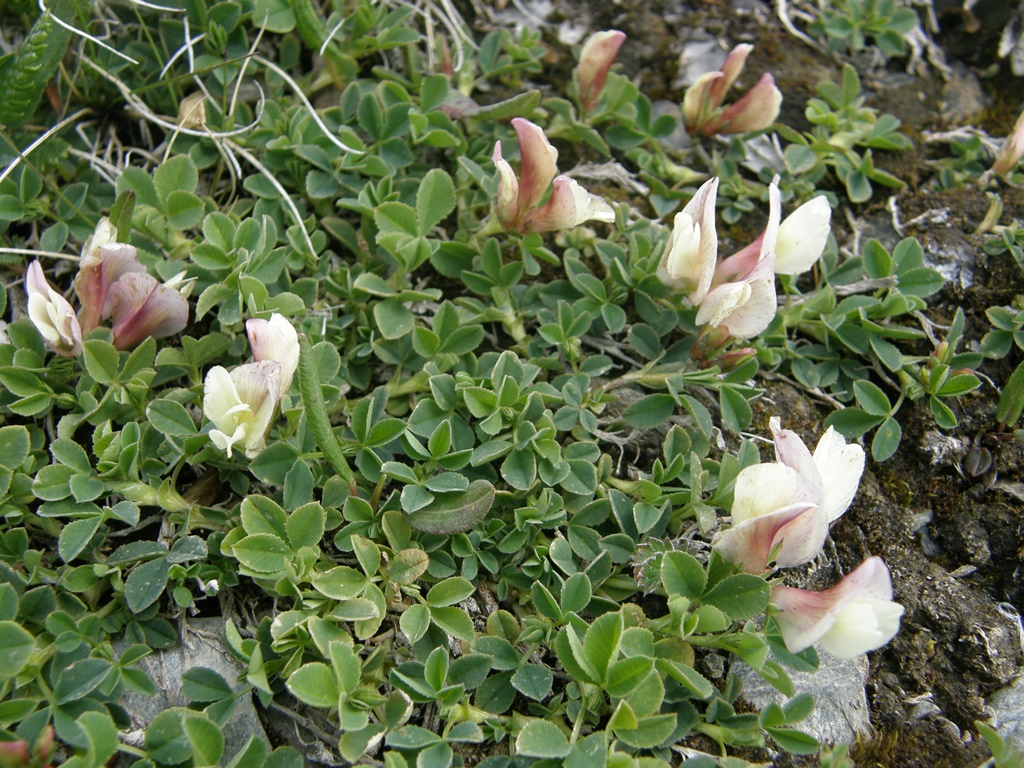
(691, 255)
(744, 307)
(835, 468)
(855, 616)
(275, 339)
(776, 517)
(241, 404)
(802, 237)
(51, 314)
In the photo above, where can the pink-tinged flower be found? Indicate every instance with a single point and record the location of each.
(596, 58)
(140, 306)
(744, 307)
(835, 467)
(855, 616)
(756, 110)
(276, 340)
(691, 255)
(101, 266)
(241, 405)
(518, 203)
(777, 516)
(569, 206)
(51, 314)
(1012, 150)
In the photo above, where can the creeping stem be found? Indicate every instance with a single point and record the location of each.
(316, 413)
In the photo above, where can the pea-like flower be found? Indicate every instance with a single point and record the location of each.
(691, 255)
(596, 59)
(51, 314)
(241, 405)
(141, 306)
(276, 340)
(855, 616)
(518, 203)
(756, 110)
(101, 266)
(781, 511)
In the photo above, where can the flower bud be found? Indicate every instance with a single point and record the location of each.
(101, 266)
(596, 58)
(51, 314)
(1012, 150)
(692, 252)
(756, 110)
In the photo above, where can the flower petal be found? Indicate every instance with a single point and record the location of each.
(142, 307)
(755, 111)
(796, 533)
(276, 340)
(259, 385)
(538, 164)
(506, 204)
(756, 312)
(596, 58)
(100, 268)
(219, 395)
(802, 237)
(51, 314)
(841, 465)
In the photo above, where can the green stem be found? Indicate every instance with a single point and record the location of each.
(316, 413)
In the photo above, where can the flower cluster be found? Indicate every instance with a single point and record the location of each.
(737, 294)
(518, 205)
(111, 285)
(703, 113)
(780, 515)
(242, 403)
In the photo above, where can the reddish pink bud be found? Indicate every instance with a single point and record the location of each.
(100, 268)
(596, 59)
(756, 110)
(1012, 150)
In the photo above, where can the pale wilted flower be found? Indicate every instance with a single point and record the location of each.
(756, 110)
(596, 59)
(51, 314)
(241, 405)
(102, 265)
(141, 306)
(518, 203)
(276, 340)
(855, 616)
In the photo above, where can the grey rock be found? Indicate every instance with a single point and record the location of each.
(1007, 705)
(840, 703)
(204, 646)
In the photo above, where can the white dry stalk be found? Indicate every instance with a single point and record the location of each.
(38, 252)
(95, 40)
(306, 103)
(22, 154)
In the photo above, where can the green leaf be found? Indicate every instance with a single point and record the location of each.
(146, 583)
(1011, 401)
(201, 685)
(434, 200)
(14, 446)
(80, 679)
(449, 592)
(183, 209)
(205, 738)
(414, 622)
(314, 684)
(166, 741)
(305, 526)
(871, 398)
(408, 565)
(740, 597)
(171, 418)
(533, 681)
(101, 733)
(794, 741)
(76, 535)
(576, 593)
(178, 173)
(601, 642)
(543, 739)
(101, 360)
(396, 218)
(454, 513)
(16, 646)
(886, 440)
(626, 675)
(649, 411)
(262, 553)
(394, 319)
(454, 621)
(650, 731)
(682, 574)
(852, 422)
(273, 464)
